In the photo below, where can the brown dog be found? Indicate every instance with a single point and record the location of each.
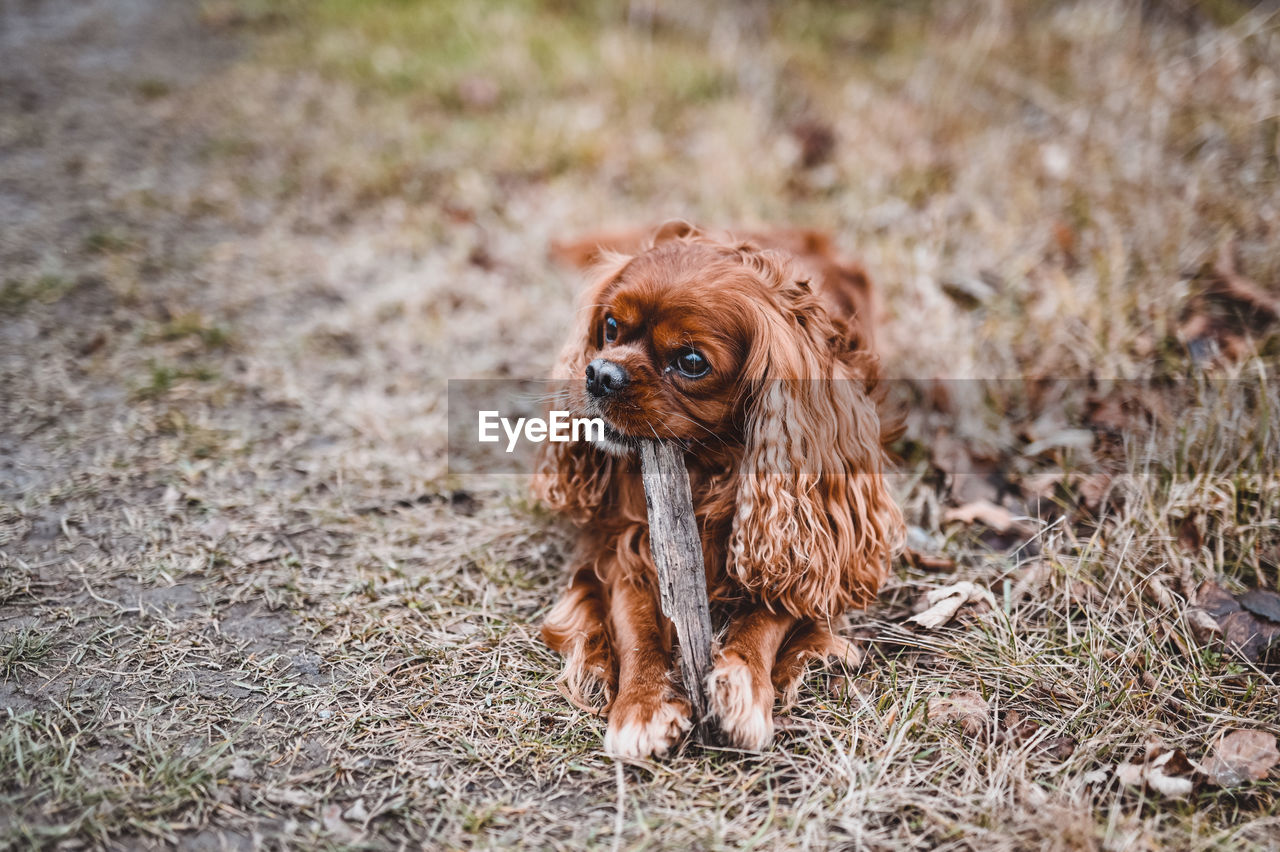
(754, 355)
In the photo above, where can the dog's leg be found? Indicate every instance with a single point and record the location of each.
(740, 688)
(648, 716)
(810, 642)
(576, 628)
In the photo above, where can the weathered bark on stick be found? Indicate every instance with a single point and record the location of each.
(682, 578)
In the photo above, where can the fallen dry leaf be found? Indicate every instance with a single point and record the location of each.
(291, 796)
(1064, 236)
(1093, 489)
(927, 562)
(1244, 621)
(1060, 748)
(1261, 602)
(968, 291)
(357, 812)
(951, 455)
(1063, 439)
(1237, 757)
(944, 603)
(1097, 776)
(1042, 485)
(1013, 722)
(1241, 756)
(1215, 600)
(1015, 729)
(1169, 773)
(1228, 313)
(1159, 594)
(817, 142)
(1083, 594)
(331, 818)
(965, 707)
(1131, 774)
(1202, 624)
(1259, 305)
(989, 514)
(1254, 639)
(970, 487)
(1189, 538)
(1031, 579)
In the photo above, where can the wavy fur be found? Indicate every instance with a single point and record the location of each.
(785, 453)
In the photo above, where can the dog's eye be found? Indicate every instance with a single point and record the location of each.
(691, 364)
(610, 329)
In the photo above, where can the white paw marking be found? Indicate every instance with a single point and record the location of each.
(744, 714)
(638, 737)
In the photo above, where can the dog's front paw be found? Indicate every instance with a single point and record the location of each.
(742, 707)
(646, 728)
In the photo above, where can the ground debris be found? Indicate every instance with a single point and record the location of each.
(1031, 578)
(1225, 318)
(1241, 756)
(929, 562)
(1169, 773)
(965, 707)
(1236, 758)
(945, 602)
(332, 819)
(1245, 623)
(989, 514)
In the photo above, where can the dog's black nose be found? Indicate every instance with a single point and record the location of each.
(605, 377)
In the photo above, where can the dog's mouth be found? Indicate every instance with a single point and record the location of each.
(615, 442)
(623, 441)
(615, 434)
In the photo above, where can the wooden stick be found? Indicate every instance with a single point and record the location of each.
(682, 577)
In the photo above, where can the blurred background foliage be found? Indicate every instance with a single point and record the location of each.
(1069, 168)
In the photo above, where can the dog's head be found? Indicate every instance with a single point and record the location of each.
(667, 340)
(724, 348)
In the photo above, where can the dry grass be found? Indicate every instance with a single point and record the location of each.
(243, 602)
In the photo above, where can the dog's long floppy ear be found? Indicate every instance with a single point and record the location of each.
(673, 229)
(571, 476)
(592, 250)
(815, 525)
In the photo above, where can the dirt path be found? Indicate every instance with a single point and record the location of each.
(220, 443)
